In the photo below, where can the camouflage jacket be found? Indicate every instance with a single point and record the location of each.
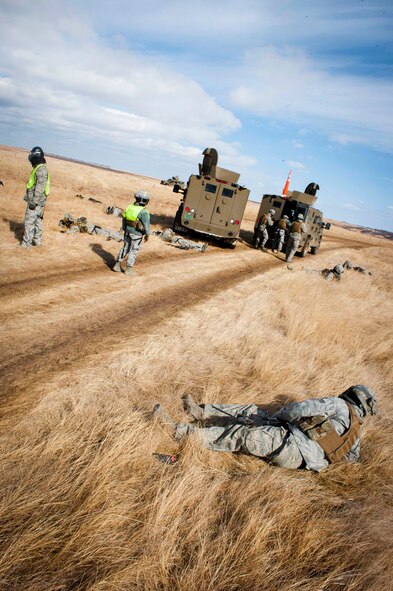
(334, 409)
(36, 195)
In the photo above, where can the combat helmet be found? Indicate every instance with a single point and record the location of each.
(142, 197)
(300, 216)
(272, 211)
(363, 398)
(36, 156)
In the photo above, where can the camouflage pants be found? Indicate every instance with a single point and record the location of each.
(275, 444)
(33, 226)
(292, 245)
(130, 249)
(261, 237)
(187, 244)
(279, 238)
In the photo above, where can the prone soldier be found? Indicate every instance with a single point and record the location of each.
(310, 434)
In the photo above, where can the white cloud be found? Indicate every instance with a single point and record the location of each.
(296, 144)
(390, 206)
(295, 164)
(288, 85)
(351, 206)
(71, 81)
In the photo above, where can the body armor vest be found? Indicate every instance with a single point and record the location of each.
(321, 430)
(282, 224)
(297, 227)
(263, 220)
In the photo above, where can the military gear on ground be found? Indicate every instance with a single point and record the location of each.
(72, 225)
(166, 458)
(36, 155)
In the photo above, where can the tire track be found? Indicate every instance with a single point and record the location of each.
(73, 347)
(24, 374)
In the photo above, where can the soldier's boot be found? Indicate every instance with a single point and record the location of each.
(129, 271)
(159, 413)
(117, 267)
(192, 407)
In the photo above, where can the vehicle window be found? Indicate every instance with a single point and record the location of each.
(210, 188)
(277, 204)
(227, 192)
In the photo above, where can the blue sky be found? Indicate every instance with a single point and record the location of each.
(272, 85)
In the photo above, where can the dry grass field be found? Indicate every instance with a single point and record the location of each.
(85, 354)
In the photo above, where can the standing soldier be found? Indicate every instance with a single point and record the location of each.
(136, 227)
(297, 229)
(281, 231)
(261, 235)
(37, 191)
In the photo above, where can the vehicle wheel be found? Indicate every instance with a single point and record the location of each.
(177, 227)
(232, 244)
(314, 249)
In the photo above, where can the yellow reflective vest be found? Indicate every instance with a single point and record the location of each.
(132, 212)
(32, 180)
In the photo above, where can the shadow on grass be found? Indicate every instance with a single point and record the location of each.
(106, 256)
(17, 228)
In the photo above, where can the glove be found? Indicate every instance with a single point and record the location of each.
(32, 206)
(146, 237)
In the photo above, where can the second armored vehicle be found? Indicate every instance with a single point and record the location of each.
(213, 202)
(291, 205)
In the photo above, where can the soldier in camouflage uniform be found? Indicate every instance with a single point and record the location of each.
(168, 235)
(310, 434)
(279, 236)
(136, 226)
(297, 229)
(261, 234)
(37, 191)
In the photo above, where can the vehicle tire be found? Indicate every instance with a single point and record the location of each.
(177, 226)
(230, 242)
(314, 249)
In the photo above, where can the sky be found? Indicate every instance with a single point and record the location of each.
(273, 85)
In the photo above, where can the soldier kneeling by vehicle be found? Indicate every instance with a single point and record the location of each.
(310, 434)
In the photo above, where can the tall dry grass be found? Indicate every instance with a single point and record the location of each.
(85, 506)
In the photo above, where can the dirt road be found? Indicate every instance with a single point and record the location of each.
(63, 308)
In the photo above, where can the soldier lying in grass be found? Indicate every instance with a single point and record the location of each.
(310, 434)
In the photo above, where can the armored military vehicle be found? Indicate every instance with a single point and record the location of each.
(213, 202)
(291, 205)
